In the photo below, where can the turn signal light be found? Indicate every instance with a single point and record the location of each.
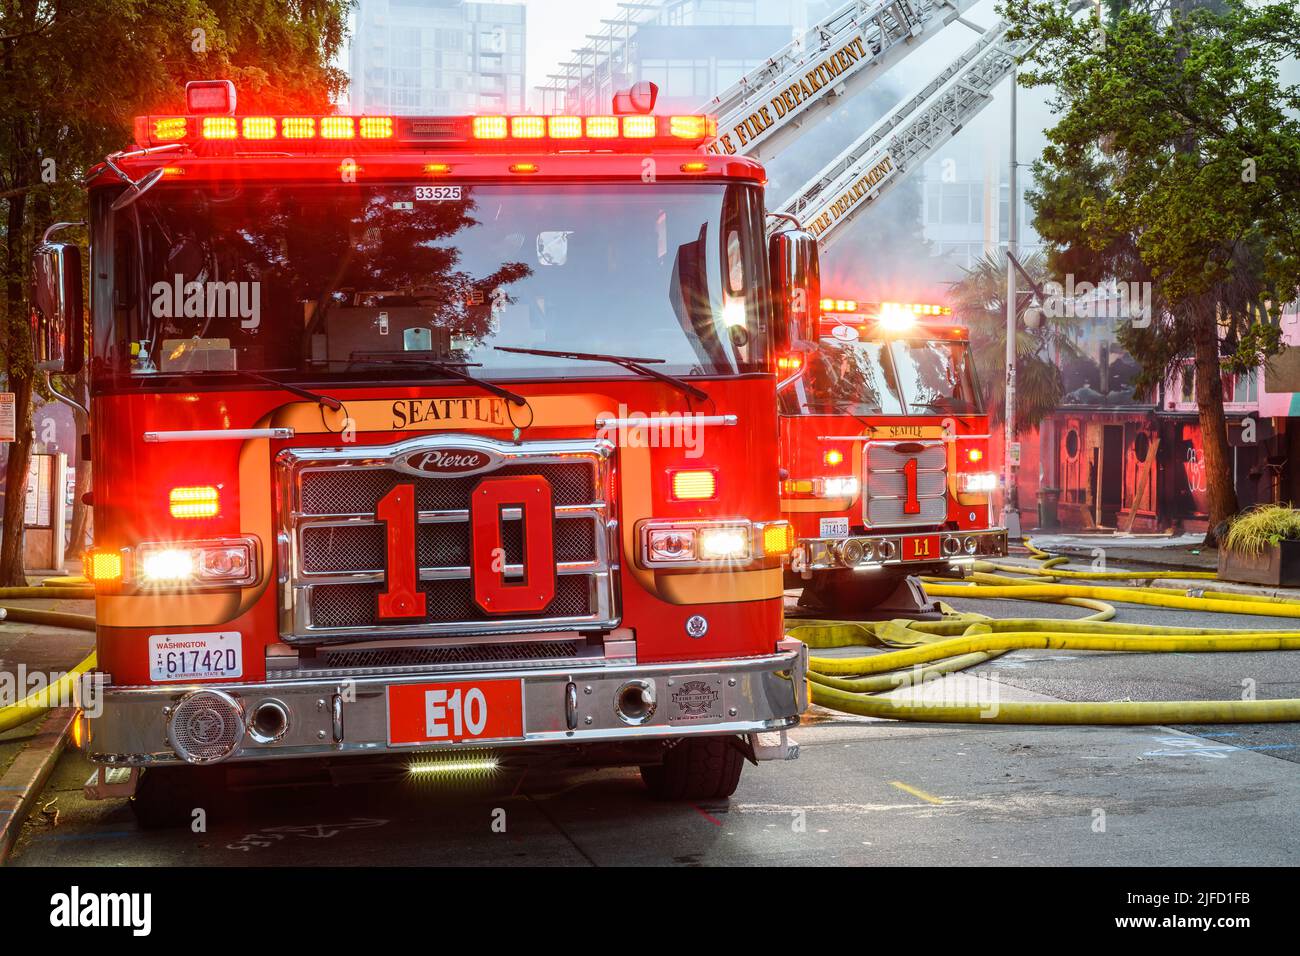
(102, 566)
(833, 457)
(698, 485)
(975, 455)
(778, 538)
(202, 501)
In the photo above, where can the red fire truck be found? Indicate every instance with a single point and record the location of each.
(884, 444)
(434, 438)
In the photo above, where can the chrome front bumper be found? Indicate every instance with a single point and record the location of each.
(560, 706)
(885, 550)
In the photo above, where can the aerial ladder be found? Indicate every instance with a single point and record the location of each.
(767, 108)
(901, 141)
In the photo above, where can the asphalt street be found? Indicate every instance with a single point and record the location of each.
(864, 792)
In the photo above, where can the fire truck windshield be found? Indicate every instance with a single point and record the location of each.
(899, 376)
(320, 281)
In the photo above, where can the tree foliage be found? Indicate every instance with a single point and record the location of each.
(1175, 161)
(73, 74)
(980, 300)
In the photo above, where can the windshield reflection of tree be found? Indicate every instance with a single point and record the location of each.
(853, 378)
(391, 258)
(327, 253)
(934, 375)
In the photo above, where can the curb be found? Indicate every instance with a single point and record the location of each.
(23, 781)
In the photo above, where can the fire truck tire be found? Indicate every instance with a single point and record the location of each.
(696, 768)
(168, 796)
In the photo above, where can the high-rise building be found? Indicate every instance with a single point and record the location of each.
(691, 49)
(437, 56)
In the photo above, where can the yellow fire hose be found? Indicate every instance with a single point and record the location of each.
(39, 702)
(923, 650)
(919, 651)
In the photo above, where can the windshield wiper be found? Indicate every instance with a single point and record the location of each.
(333, 404)
(630, 362)
(452, 369)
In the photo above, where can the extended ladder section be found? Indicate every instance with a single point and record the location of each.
(880, 158)
(769, 106)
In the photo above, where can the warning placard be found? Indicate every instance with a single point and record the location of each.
(8, 418)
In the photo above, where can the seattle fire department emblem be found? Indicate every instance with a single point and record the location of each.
(694, 700)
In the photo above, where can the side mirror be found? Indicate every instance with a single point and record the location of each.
(796, 287)
(57, 322)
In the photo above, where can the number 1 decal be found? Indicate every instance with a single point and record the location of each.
(401, 596)
(911, 501)
(532, 495)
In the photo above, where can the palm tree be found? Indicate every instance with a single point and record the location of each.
(979, 300)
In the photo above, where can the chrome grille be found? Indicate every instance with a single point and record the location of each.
(886, 485)
(333, 555)
(493, 653)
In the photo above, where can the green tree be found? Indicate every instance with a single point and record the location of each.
(979, 299)
(73, 74)
(1176, 161)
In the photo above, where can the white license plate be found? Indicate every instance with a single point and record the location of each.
(834, 527)
(196, 656)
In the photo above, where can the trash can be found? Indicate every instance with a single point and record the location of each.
(1048, 501)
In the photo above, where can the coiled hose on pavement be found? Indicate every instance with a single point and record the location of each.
(920, 651)
(40, 701)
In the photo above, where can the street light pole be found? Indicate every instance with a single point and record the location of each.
(1011, 450)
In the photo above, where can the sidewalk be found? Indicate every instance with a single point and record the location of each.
(27, 751)
(1138, 553)
(1160, 552)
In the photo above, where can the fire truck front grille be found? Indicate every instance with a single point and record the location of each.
(334, 559)
(887, 487)
(445, 602)
(335, 492)
(492, 653)
(360, 548)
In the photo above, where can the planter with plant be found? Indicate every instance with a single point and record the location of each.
(1262, 546)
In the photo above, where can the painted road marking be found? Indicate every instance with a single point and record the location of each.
(919, 794)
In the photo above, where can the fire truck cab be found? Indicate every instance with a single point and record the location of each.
(434, 438)
(884, 451)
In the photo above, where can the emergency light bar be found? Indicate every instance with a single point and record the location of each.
(843, 306)
(496, 133)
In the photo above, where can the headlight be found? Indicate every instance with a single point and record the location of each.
(978, 482)
(724, 544)
(671, 544)
(682, 544)
(171, 564)
(226, 562)
(838, 488)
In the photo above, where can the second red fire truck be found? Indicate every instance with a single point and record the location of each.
(885, 462)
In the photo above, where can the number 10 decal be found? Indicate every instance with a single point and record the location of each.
(402, 597)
